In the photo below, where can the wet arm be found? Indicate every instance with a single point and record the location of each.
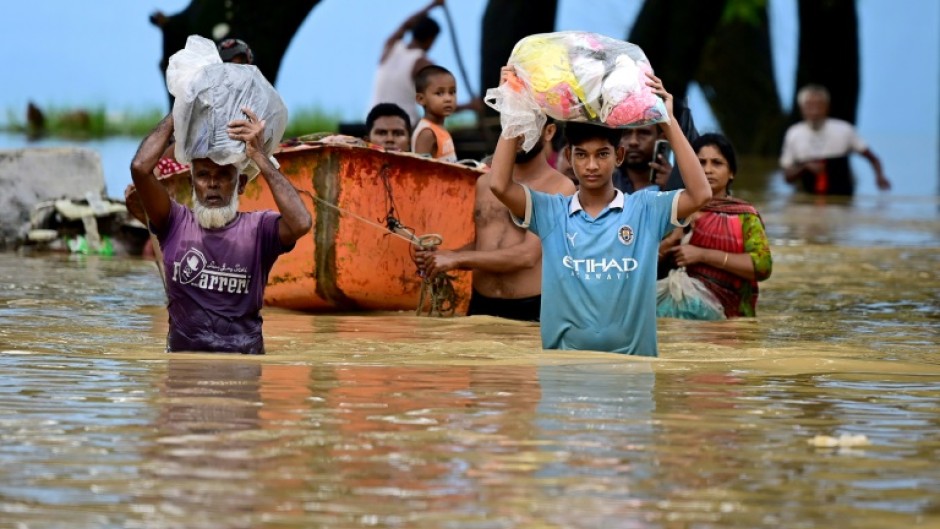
(522, 256)
(880, 179)
(511, 194)
(739, 264)
(794, 171)
(295, 219)
(504, 260)
(697, 191)
(153, 196)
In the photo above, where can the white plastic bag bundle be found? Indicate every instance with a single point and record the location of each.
(209, 94)
(681, 296)
(575, 76)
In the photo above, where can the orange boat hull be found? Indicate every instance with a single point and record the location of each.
(349, 261)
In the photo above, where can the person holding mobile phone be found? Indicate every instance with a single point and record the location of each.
(641, 167)
(662, 159)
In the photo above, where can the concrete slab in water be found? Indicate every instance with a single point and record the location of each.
(32, 175)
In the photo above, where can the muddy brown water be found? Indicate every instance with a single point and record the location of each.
(389, 420)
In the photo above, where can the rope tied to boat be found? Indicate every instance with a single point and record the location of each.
(437, 297)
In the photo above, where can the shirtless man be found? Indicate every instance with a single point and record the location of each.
(506, 260)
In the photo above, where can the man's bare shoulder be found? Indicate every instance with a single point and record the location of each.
(483, 187)
(488, 210)
(554, 183)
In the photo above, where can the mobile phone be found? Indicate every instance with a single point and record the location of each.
(661, 148)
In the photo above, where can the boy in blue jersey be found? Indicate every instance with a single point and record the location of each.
(600, 247)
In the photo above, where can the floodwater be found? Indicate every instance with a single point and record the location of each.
(389, 420)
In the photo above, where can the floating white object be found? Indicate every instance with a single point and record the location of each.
(843, 441)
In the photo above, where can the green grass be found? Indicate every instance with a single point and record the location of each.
(85, 123)
(311, 120)
(96, 122)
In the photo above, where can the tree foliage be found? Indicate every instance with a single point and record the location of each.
(506, 22)
(828, 53)
(724, 45)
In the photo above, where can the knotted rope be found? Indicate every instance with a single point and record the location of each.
(437, 296)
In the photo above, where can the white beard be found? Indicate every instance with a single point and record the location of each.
(211, 218)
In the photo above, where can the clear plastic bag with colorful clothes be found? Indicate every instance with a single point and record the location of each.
(209, 94)
(680, 296)
(575, 76)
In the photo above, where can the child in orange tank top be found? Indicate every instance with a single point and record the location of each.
(436, 92)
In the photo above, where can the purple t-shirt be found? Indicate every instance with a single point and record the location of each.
(215, 280)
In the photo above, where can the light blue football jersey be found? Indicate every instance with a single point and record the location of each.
(599, 274)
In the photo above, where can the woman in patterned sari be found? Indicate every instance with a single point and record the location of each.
(727, 247)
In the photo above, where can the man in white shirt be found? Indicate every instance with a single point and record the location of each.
(816, 150)
(394, 80)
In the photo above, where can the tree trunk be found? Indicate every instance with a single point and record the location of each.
(737, 77)
(673, 34)
(828, 54)
(506, 22)
(267, 27)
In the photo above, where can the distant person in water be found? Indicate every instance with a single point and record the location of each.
(816, 150)
(388, 126)
(216, 258)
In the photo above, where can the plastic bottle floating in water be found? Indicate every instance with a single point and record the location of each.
(81, 245)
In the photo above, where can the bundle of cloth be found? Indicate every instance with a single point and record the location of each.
(575, 76)
(209, 94)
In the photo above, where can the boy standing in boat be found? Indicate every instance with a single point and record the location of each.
(401, 61)
(600, 247)
(216, 259)
(436, 92)
(506, 260)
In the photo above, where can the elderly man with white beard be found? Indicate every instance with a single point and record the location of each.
(216, 258)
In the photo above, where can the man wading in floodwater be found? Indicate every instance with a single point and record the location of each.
(216, 259)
